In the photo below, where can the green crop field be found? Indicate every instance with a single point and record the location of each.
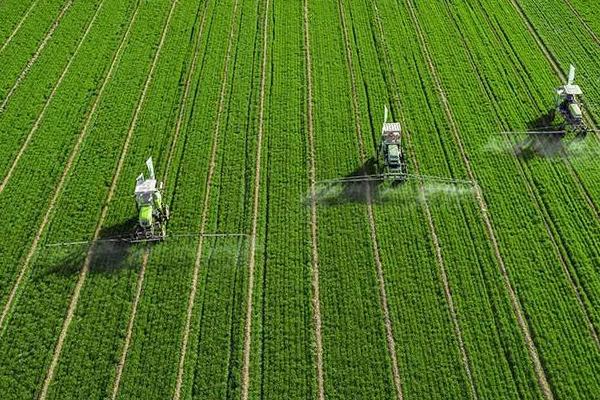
(288, 271)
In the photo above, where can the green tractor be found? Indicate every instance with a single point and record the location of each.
(153, 214)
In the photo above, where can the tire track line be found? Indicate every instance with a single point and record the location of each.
(440, 259)
(371, 217)
(312, 177)
(548, 54)
(582, 22)
(140, 281)
(256, 201)
(18, 27)
(515, 303)
(205, 207)
(36, 55)
(42, 114)
(87, 263)
(60, 186)
(534, 194)
(570, 168)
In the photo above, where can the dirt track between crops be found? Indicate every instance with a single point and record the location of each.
(87, 263)
(517, 308)
(371, 217)
(205, 208)
(316, 302)
(59, 187)
(255, 211)
(37, 122)
(36, 55)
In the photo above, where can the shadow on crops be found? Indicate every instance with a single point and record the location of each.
(108, 253)
(542, 144)
(340, 193)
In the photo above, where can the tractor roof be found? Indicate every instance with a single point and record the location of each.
(392, 127)
(572, 90)
(149, 185)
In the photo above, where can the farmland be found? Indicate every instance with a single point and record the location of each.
(275, 280)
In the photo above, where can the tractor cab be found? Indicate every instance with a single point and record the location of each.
(391, 145)
(152, 214)
(567, 103)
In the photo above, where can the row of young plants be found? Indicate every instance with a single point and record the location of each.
(31, 94)
(283, 359)
(571, 43)
(27, 195)
(105, 306)
(215, 361)
(213, 349)
(13, 12)
(572, 219)
(22, 47)
(29, 340)
(356, 359)
(588, 11)
(495, 354)
(555, 318)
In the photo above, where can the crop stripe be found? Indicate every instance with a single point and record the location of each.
(256, 201)
(87, 263)
(36, 55)
(18, 27)
(42, 113)
(61, 184)
(205, 209)
(314, 230)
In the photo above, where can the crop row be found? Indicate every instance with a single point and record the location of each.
(14, 14)
(482, 306)
(33, 34)
(28, 192)
(53, 278)
(544, 292)
(31, 90)
(283, 354)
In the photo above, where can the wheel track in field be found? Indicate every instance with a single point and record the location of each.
(40, 117)
(18, 27)
(439, 258)
(371, 217)
(582, 22)
(314, 231)
(206, 205)
(87, 263)
(141, 275)
(570, 168)
(60, 186)
(515, 303)
(549, 56)
(36, 55)
(255, 211)
(535, 196)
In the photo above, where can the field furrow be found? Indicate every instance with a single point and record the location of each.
(56, 270)
(536, 290)
(30, 188)
(17, 12)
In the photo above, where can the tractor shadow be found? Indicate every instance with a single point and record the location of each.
(540, 144)
(107, 256)
(340, 193)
